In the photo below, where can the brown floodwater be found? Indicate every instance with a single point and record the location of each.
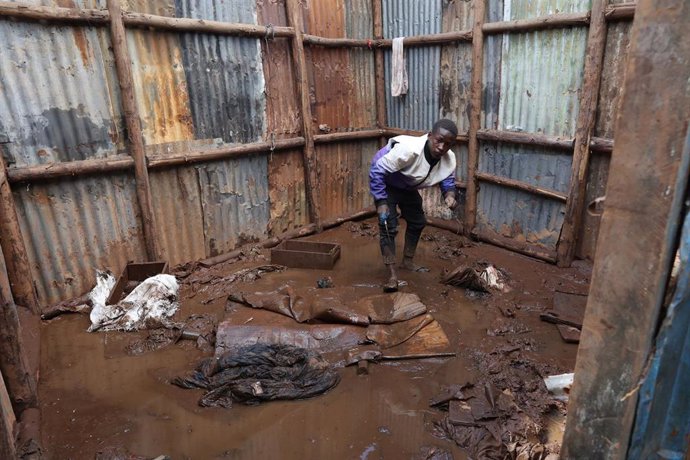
(95, 396)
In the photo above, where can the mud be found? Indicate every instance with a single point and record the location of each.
(95, 397)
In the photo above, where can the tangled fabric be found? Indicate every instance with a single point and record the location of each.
(261, 372)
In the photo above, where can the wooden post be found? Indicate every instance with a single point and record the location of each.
(379, 70)
(136, 138)
(596, 43)
(8, 423)
(475, 115)
(13, 362)
(294, 17)
(640, 224)
(12, 244)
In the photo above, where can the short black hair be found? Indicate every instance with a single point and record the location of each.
(446, 124)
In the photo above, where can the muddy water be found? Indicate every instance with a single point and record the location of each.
(94, 396)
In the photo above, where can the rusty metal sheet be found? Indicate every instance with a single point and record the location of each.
(224, 74)
(59, 100)
(234, 199)
(75, 226)
(420, 108)
(359, 23)
(160, 86)
(286, 192)
(282, 105)
(178, 213)
(613, 75)
(519, 215)
(344, 177)
(456, 65)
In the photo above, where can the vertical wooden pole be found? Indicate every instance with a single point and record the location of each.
(133, 122)
(13, 363)
(475, 114)
(638, 236)
(12, 244)
(8, 423)
(379, 71)
(294, 17)
(586, 117)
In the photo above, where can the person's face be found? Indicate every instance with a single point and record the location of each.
(440, 142)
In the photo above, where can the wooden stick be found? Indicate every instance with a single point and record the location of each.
(136, 139)
(379, 70)
(515, 245)
(311, 180)
(538, 23)
(202, 25)
(450, 225)
(363, 214)
(620, 11)
(525, 138)
(26, 11)
(160, 161)
(461, 138)
(586, 117)
(348, 136)
(71, 168)
(475, 114)
(415, 40)
(12, 244)
(600, 144)
(506, 182)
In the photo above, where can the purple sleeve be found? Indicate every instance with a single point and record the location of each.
(448, 184)
(377, 177)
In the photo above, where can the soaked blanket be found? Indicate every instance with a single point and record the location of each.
(261, 372)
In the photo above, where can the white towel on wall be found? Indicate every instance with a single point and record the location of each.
(398, 71)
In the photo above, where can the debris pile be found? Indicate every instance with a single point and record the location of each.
(261, 372)
(477, 278)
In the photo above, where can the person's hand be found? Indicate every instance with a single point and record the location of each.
(450, 201)
(383, 211)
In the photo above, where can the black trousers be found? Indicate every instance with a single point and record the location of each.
(410, 204)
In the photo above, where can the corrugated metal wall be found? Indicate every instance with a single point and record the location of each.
(532, 84)
(60, 102)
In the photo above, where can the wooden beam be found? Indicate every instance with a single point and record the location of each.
(638, 235)
(620, 11)
(12, 245)
(521, 247)
(475, 114)
(233, 151)
(450, 225)
(204, 26)
(70, 168)
(135, 136)
(25, 11)
(363, 214)
(311, 179)
(600, 144)
(584, 126)
(8, 424)
(348, 136)
(538, 23)
(461, 138)
(415, 40)
(379, 70)
(518, 185)
(515, 137)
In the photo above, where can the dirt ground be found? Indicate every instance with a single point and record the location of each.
(95, 396)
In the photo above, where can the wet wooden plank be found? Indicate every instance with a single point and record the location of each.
(569, 334)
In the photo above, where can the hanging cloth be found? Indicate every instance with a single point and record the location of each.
(398, 72)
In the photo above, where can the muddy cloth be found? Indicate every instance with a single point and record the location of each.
(334, 305)
(257, 373)
(481, 279)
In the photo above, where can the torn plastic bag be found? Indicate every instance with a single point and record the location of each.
(151, 304)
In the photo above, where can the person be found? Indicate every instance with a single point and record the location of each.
(405, 165)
